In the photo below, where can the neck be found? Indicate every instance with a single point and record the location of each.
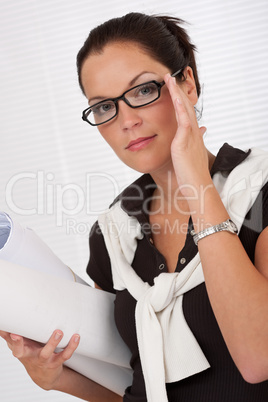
(167, 185)
(167, 196)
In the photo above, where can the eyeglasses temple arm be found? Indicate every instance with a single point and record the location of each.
(177, 72)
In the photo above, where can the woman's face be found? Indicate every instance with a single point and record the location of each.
(140, 137)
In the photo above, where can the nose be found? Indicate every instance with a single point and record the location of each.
(128, 117)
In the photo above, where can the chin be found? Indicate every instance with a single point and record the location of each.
(149, 168)
(148, 162)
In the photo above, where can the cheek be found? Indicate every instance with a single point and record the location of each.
(165, 118)
(111, 137)
(106, 134)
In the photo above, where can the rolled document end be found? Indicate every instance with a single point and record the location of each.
(5, 229)
(22, 246)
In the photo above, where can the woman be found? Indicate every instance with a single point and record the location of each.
(148, 118)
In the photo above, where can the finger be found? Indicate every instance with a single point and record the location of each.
(181, 103)
(7, 336)
(174, 89)
(67, 353)
(15, 337)
(4, 335)
(182, 115)
(17, 345)
(177, 94)
(48, 350)
(203, 129)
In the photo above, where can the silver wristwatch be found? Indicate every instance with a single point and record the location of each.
(228, 225)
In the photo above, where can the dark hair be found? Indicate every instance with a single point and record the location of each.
(161, 36)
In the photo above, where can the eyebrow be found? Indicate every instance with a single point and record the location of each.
(100, 98)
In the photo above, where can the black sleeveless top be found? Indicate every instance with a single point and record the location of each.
(222, 382)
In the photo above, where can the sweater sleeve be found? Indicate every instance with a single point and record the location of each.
(99, 266)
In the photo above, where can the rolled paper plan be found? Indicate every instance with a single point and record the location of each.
(113, 377)
(22, 246)
(41, 294)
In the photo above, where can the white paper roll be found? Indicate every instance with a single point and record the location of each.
(110, 376)
(23, 246)
(39, 294)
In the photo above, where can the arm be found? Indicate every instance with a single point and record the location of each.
(77, 385)
(238, 292)
(237, 289)
(46, 368)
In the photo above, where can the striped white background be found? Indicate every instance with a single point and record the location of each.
(43, 136)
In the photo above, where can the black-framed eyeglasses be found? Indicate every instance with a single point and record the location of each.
(138, 96)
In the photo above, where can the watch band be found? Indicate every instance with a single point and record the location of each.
(228, 226)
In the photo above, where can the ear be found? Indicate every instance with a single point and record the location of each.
(189, 86)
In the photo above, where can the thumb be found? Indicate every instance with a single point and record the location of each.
(202, 129)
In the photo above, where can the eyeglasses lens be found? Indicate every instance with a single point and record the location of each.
(138, 96)
(102, 112)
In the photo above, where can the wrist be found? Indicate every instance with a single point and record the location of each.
(59, 383)
(227, 225)
(207, 208)
(197, 194)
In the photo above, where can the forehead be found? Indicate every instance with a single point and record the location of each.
(110, 72)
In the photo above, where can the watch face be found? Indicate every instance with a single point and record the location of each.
(232, 225)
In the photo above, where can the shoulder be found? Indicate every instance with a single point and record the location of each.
(228, 158)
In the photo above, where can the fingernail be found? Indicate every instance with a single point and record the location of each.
(76, 338)
(13, 337)
(179, 101)
(174, 81)
(57, 335)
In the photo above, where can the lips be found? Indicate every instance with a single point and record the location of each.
(139, 143)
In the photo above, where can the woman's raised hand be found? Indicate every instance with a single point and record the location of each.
(42, 363)
(189, 154)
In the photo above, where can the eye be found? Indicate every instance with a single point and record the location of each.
(103, 108)
(145, 90)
